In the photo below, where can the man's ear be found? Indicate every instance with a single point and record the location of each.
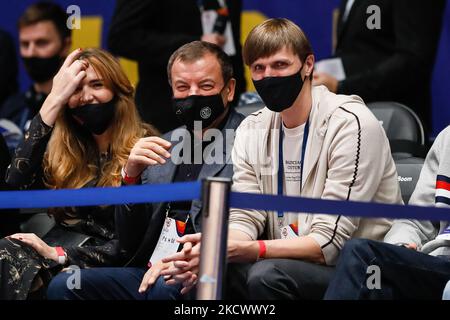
(309, 62)
(230, 89)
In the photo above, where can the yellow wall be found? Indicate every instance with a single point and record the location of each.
(90, 35)
(249, 20)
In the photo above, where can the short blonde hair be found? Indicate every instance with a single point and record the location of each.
(273, 35)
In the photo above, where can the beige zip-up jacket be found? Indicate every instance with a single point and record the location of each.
(347, 158)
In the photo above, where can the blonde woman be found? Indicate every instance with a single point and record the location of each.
(81, 137)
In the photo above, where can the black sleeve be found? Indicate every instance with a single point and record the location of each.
(131, 225)
(131, 35)
(416, 29)
(108, 254)
(25, 170)
(8, 66)
(131, 222)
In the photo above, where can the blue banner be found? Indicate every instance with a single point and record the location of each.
(149, 193)
(185, 191)
(337, 207)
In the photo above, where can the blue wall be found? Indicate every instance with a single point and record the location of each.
(314, 16)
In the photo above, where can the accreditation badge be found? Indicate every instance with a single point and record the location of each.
(167, 243)
(289, 231)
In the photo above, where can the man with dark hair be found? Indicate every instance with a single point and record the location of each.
(44, 41)
(149, 31)
(201, 75)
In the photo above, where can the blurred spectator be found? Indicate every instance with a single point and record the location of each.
(44, 41)
(8, 65)
(149, 31)
(5, 159)
(11, 133)
(387, 53)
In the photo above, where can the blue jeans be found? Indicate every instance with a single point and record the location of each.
(110, 284)
(404, 273)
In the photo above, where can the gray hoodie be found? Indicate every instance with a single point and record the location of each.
(347, 158)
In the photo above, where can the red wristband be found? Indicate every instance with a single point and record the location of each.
(61, 255)
(262, 249)
(60, 251)
(129, 180)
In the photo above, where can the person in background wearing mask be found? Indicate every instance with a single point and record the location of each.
(81, 137)
(44, 41)
(307, 142)
(201, 76)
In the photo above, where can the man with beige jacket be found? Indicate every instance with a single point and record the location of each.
(329, 146)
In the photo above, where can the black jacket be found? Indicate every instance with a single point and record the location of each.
(139, 226)
(21, 107)
(8, 66)
(149, 31)
(26, 172)
(393, 63)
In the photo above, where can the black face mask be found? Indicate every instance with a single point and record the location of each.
(96, 118)
(279, 93)
(198, 108)
(42, 69)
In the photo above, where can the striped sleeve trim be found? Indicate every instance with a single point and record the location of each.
(355, 173)
(442, 197)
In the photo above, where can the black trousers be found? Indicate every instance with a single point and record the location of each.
(404, 273)
(276, 279)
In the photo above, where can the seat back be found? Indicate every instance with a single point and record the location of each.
(403, 128)
(39, 224)
(408, 171)
(247, 109)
